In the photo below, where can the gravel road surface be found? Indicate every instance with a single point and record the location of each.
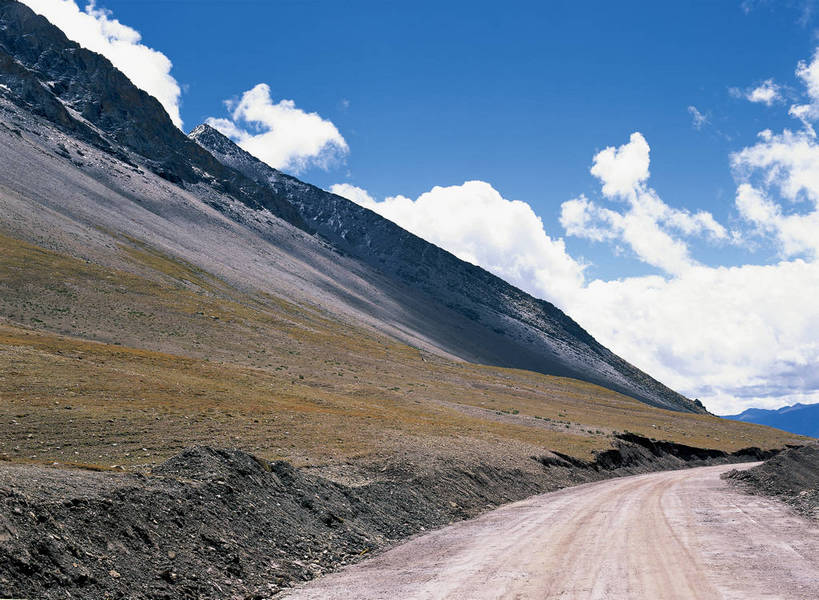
(672, 535)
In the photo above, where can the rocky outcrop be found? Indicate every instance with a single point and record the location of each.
(636, 453)
(213, 523)
(82, 93)
(216, 523)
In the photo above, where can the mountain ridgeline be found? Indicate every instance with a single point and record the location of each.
(802, 419)
(82, 93)
(405, 287)
(529, 333)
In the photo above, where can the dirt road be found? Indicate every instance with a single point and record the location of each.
(674, 535)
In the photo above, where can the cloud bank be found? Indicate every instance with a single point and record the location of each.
(95, 29)
(279, 133)
(732, 336)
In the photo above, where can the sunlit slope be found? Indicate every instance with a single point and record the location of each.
(188, 359)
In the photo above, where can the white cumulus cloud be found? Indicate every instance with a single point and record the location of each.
(477, 224)
(96, 29)
(623, 170)
(808, 73)
(649, 226)
(279, 133)
(733, 337)
(766, 93)
(781, 167)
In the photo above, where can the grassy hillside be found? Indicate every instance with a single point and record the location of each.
(126, 366)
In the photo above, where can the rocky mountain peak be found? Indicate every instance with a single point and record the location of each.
(208, 136)
(86, 96)
(229, 153)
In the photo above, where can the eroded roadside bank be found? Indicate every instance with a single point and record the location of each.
(213, 523)
(792, 477)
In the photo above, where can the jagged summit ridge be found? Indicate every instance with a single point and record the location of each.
(231, 155)
(86, 96)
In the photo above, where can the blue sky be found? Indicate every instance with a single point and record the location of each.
(650, 167)
(517, 94)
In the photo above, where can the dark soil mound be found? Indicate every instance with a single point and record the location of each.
(212, 523)
(634, 453)
(792, 476)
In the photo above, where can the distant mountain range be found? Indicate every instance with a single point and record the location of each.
(802, 419)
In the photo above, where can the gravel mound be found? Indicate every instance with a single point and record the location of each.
(216, 523)
(212, 523)
(791, 476)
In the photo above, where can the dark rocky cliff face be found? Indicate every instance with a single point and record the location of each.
(85, 96)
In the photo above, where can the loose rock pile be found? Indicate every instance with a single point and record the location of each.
(791, 476)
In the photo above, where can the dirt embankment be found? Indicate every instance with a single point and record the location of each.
(214, 523)
(791, 476)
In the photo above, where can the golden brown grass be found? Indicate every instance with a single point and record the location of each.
(182, 358)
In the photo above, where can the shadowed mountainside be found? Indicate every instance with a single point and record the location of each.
(538, 336)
